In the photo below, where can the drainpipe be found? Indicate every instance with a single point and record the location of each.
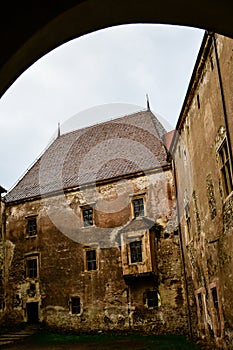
(223, 99)
(182, 254)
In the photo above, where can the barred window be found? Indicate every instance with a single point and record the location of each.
(88, 217)
(138, 207)
(91, 260)
(31, 227)
(136, 251)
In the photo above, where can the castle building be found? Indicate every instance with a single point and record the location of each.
(202, 162)
(91, 233)
(123, 226)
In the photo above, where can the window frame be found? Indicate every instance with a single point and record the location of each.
(73, 307)
(147, 298)
(140, 210)
(88, 261)
(29, 221)
(90, 222)
(28, 269)
(225, 167)
(130, 246)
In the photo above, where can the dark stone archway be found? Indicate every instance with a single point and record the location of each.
(30, 30)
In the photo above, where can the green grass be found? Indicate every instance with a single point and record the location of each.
(125, 341)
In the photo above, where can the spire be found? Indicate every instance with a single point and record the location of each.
(147, 102)
(58, 130)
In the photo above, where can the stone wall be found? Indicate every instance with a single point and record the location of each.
(108, 301)
(205, 207)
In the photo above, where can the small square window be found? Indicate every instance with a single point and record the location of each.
(32, 268)
(31, 227)
(135, 251)
(75, 305)
(138, 207)
(88, 217)
(91, 260)
(151, 298)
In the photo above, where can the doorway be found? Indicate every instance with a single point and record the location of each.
(33, 312)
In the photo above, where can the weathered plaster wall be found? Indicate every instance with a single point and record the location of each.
(205, 212)
(108, 301)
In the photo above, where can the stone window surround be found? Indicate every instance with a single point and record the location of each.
(202, 293)
(72, 297)
(223, 166)
(28, 257)
(28, 219)
(86, 207)
(133, 237)
(146, 304)
(218, 321)
(138, 195)
(91, 247)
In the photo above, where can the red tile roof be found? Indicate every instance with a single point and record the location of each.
(111, 149)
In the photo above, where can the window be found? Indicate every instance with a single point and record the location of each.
(138, 207)
(214, 294)
(31, 227)
(75, 305)
(88, 217)
(32, 268)
(225, 168)
(91, 260)
(151, 298)
(135, 251)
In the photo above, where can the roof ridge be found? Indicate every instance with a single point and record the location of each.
(107, 121)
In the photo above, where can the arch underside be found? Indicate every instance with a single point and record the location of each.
(30, 31)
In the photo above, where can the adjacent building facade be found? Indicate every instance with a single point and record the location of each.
(202, 157)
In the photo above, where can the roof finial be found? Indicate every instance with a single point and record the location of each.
(147, 102)
(58, 130)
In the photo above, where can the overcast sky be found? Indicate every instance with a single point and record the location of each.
(99, 76)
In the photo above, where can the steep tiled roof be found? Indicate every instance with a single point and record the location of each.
(104, 151)
(138, 224)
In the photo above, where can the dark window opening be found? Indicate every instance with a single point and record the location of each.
(88, 217)
(91, 260)
(138, 207)
(200, 304)
(31, 228)
(136, 251)
(215, 300)
(225, 169)
(152, 298)
(75, 305)
(31, 268)
(216, 307)
(198, 102)
(212, 63)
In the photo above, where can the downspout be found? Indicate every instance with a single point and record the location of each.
(223, 100)
(182, 254)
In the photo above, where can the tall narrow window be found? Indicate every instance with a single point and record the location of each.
(91, 260)
(75, 305)
(136, 251)
(225, 168)
(216, 307)
(138, 207)
(32, 268)
(88, 217)
(31, 227)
